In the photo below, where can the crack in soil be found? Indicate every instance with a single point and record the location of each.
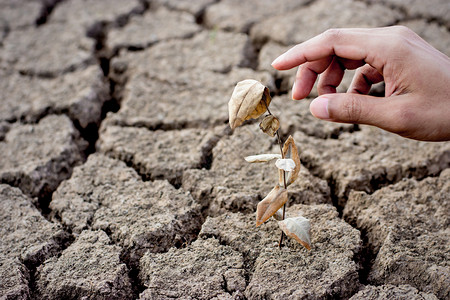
(409, 17)
(52, 74)
(172, 126)
(90, 133)
(46, 10)
(114, 52)
(366, 257)
(63, 241)
(208, 147)
(248, 262)
(117, 82)
(133, 274)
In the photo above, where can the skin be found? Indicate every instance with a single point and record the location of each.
(416, 75)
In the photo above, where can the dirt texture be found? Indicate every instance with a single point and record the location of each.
(139, 216)
(284, 28)
(156, 154)
(121, 179)
(203, 270)
(37, 157)
(90, 268)
(368, 163)
(404, 223)
(28, 239)
(232, 184)
(389, 291)
(80, 95)
(145, 30)
(328, 269)
(225, 16)
(18, 14)
(436, 9)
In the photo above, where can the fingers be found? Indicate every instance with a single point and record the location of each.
(331, 78)
(401, 114)
(414, 72)
(330, 52)
(331, 70)
(363, 80)
(352, 44)
(359, 109)
(306, 76)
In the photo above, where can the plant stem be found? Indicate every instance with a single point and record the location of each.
(281, 147)
(280, 244)
(282, 156)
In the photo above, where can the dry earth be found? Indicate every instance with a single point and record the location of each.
(119, 178)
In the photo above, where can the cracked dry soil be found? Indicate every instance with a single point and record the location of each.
(119, 178)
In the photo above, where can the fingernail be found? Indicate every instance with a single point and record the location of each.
(319, 108)
(293, 91)
(277, 60)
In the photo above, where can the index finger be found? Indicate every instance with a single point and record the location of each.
(348, 43)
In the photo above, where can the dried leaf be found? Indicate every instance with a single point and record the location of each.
(249, 100)
(262, 157)
(269, 125)
(298, 228)
(286, 164)
(290, 151)
(267, 207)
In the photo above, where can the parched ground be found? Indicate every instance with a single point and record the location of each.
(120, 179)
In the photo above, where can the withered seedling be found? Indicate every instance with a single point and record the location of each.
(250, 100)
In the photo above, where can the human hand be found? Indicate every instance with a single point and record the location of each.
(416, 75)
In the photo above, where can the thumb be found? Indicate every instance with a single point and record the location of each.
(357, 109)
